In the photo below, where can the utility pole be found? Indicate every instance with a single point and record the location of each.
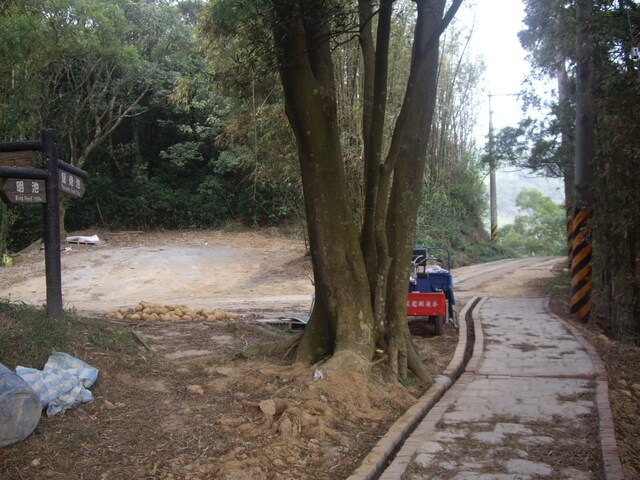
(492, 171)
(493, 201)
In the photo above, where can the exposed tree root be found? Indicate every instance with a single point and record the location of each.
(403, 357)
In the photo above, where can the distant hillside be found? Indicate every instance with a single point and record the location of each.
(509, 184)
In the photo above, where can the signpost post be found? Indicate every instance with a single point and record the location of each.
(51, 209)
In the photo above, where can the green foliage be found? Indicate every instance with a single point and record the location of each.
(539, 228)
(24, 226)
(451, 215)
(27, 336)
(181, 154)
(453, 198)
(206, 140)
(157, 125)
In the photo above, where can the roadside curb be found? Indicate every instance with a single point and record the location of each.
(609, 446)
(377, 460)
(478, 344)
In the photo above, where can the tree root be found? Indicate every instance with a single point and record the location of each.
(403, 357)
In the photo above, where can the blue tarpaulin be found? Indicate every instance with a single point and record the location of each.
(63, 382)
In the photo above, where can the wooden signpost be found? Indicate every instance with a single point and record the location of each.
(72, 185)
(22, 183)
(22, 190)
(17, 159)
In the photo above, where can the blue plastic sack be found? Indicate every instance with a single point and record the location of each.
(63, 382)
(20, 408)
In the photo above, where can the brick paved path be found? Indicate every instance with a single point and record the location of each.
(525, 409)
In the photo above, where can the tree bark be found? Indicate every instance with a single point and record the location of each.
(376, 67)
(568, 169)
(342, 294)
(361, 274)
(408, 157)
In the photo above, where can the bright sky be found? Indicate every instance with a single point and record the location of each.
(496, 25)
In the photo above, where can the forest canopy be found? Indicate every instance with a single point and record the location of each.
(179, 119)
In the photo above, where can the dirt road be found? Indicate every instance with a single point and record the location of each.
(238, 272)
(185, 401)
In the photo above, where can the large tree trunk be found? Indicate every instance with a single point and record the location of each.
(361, 274)
(409, 158)
(343, 310)
(566, 139)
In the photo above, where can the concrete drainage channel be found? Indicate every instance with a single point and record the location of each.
(470, 341)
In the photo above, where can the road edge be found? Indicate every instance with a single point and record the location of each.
(606, 428)
(378, 459)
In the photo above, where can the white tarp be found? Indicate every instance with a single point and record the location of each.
(92, 240)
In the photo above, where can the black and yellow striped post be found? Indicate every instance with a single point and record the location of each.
(580, 306)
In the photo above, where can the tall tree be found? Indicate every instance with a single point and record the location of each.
(358, 306)
(88, 77)
(614, 31)
(453, 194)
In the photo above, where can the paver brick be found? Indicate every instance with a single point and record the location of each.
(532, 383)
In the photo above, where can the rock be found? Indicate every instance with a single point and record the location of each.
(195, 389)
(273, 407)
(108, 405)
(286, 427)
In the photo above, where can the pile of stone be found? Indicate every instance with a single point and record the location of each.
(170, 313)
